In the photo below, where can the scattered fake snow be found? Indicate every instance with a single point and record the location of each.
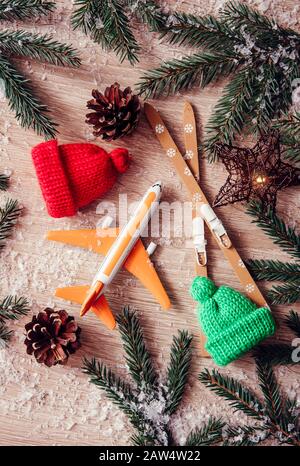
(49, 400)
(55, 401)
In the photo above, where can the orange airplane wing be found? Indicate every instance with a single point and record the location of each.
(138, 262)
(100, 307)
(98, 240)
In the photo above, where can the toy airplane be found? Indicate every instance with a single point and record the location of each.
(122, 249)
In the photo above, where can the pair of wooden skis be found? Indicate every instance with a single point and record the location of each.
(187, 167)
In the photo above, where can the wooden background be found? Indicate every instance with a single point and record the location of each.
(57, 406)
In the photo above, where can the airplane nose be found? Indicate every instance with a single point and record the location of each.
(158, 184)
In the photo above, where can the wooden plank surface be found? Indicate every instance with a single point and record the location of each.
(44, 406)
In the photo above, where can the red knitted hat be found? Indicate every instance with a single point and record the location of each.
(73, 175)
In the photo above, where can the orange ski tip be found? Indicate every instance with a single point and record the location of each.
(187, 105)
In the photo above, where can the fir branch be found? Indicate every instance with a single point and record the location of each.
(287, 293)
(88, 18)
(249, 103)
(236, 11)
(238, 14)
(274, 227)
(108, 25)
(289, 128)
(4, 180)
(13, 308)
(216, 432)
(30, 112)
(207, 435)
(261, 48)
(149, 412)
(149, 12)
(38, 47)
(196, 31)
(200, 69)
(5, 335)
(267, 98)
(244, 436)
(116, 390)
(116, 23)
(137, 357)
(291, 151)
(293, 322)
(274, 354)
(178, 370)
(82, 17)
(289, 241)
(276, 414)
(290, 125)
(149, 405)
(239, 397)
(232, 110)
(291, 416)
(272, 270)
(142, 440)
(280, 353)
(11, 10)
(8, 217)
(138, 440)
(270, 390)
(126, 399)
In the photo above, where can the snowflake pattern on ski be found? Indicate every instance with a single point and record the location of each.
(188, 155)
(188, 128)
(249, 288)
(187, 171)
(241, 264)
(159, 129)
(197, 197)
(171, 152)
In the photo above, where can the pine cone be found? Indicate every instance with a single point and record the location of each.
(51, 336)
(116, 113)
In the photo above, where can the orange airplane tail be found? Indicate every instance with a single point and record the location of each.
(100, 307)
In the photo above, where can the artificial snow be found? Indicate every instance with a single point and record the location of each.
(71, 403)
(59, 405)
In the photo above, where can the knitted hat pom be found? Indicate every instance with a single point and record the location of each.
(120, 158)
(203, 289)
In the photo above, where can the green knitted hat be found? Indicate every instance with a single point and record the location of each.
(231, 322)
